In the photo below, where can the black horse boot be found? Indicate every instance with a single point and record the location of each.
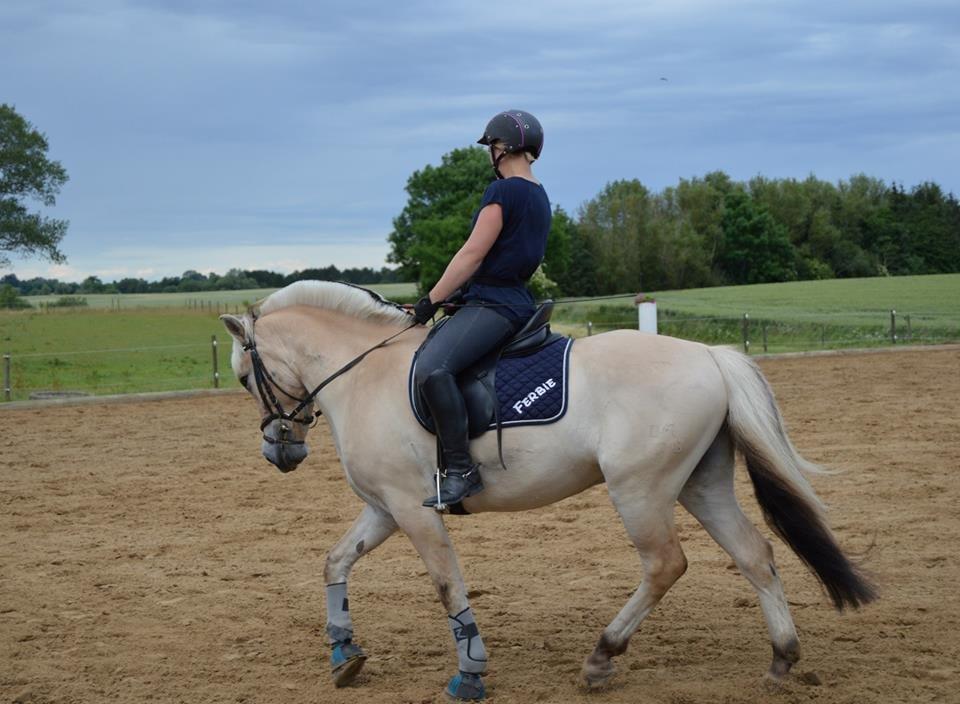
(461, 477)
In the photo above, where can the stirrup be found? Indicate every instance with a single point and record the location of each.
(472, 484)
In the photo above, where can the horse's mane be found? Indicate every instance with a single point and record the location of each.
(334, 295)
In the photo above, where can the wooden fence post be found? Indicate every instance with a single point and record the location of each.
(6, 377)
(216, 366)
(746, 333)
(764, 329)
(893, 327)
(589, 328)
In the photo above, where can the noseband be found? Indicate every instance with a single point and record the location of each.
(266, 383)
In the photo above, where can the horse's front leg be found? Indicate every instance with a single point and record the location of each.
(371, 528)
(429, 536)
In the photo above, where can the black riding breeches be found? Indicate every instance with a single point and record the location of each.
(469, 335)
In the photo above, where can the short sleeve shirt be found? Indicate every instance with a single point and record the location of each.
(517, 251)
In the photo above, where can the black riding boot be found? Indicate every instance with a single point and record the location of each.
(462, 476)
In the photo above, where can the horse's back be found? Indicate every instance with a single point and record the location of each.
(632, 366)
(636, 401)
(657, 401)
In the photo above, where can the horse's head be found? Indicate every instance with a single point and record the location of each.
(279, 392)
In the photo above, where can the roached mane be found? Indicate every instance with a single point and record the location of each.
(334, 295)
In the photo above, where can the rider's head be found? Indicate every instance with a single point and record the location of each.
(512, 134)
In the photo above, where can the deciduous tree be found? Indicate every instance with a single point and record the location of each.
(26, 174)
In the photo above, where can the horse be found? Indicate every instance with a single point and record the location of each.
(658, 419)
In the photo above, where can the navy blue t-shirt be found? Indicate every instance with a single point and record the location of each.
(517, 251)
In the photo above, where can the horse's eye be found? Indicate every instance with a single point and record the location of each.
(243, 380)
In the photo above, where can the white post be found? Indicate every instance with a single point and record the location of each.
(646, 313)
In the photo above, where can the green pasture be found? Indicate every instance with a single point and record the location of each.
(793, 316)
(843, 301)
(162, 344)
(108, 352)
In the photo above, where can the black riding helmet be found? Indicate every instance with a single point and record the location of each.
(514, 131)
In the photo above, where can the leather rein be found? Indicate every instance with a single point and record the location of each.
(266, 383)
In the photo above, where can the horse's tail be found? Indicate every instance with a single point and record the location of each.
(777, 470)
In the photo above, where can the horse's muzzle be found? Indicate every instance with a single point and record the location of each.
(285, 456)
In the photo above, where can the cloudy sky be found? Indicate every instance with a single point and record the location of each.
(212, 134)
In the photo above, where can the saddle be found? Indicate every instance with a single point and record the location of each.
(519, 363)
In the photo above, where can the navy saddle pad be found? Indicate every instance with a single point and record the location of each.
(530, 388)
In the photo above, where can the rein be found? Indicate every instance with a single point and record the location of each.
(265, 384)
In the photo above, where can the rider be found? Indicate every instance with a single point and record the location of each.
(505, 247)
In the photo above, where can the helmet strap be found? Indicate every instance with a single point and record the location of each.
(496, 162)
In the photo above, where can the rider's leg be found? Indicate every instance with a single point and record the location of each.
(469, 335)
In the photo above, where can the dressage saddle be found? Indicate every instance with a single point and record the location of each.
(478, 382)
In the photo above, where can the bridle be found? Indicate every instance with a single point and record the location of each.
(266, 383)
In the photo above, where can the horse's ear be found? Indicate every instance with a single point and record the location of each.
(235, 327)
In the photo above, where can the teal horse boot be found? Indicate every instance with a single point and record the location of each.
(466, 687)
(346, 661)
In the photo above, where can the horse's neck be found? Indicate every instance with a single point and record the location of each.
(327, 340)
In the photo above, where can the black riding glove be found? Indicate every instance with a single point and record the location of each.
(424, 310)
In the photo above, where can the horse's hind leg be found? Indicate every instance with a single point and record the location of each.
(650, 525)
(709, 496)
(369, 530)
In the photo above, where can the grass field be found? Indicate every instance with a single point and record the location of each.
(154, 342)
(105, 352)
(800, 315)
(847, 301)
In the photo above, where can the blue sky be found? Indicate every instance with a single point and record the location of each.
(280, 135)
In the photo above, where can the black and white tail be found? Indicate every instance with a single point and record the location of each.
(778, 473)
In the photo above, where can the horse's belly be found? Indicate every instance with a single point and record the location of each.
(545, 470)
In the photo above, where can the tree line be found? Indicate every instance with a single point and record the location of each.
(704, 231)
(191, 281)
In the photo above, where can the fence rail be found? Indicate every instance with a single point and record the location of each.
(767, 334)
(111, 370)
(197, 365)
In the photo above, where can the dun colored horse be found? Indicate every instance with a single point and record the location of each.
(655, 418)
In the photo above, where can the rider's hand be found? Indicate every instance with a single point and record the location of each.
(424, 310)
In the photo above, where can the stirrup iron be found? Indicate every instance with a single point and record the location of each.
(439, 507)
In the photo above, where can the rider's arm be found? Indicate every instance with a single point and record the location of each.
(466, 261)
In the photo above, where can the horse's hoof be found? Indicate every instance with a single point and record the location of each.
(594, 676)
(466, 687)
(783, 660)
(778, 672)
(346, 662)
